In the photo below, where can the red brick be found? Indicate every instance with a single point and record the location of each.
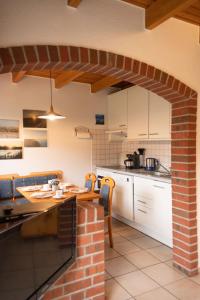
(79, 285)
(78, 296)
(97, 237)
(98, 258)
(94, 248)
(95, 290)
(95, 227)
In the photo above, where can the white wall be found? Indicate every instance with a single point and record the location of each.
(65, 151)
(105, 24)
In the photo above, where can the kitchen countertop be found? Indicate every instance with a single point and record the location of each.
(138, 172)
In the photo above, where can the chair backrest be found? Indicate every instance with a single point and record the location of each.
(6, 187)
(106, 192)
(90, 180)
(57, 173)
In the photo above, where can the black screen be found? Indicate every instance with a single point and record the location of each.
(35, 252)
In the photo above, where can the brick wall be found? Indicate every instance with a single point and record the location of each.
(184, 110)
(85, 278)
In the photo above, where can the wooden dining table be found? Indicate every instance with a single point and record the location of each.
(87, 196)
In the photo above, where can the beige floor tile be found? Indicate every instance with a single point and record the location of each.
(117, 238)
(131, 234)
(115, 292)
(196, 278)
(162, 274)
(163, 253)
(137, 283)
(142, 259)
(146, 242)
(170, 264)
(184, 289)
(119, 266)
(126, 247)
(157, 294)
(107, 276)
(110, 253)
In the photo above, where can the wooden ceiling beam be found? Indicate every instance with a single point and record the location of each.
(103, 83)
(17, 76)
(74, 3)
(66, 77)
(161, 10)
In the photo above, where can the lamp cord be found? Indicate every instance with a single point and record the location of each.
(51, 89)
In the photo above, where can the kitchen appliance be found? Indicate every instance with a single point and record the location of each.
(151, 164)
(46, 234)
(132, 161)
(142, 157)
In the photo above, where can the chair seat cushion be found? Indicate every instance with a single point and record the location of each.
(6, 202)
(18, 201)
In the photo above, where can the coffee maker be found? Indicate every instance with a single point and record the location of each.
(142, 157)
(132, 161)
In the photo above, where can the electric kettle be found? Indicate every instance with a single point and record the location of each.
(151, 164)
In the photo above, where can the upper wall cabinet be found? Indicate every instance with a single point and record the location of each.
(148, 115)
(117, 110)
(137, 113)
(159, 117)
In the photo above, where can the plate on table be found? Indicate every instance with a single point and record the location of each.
(78, 190)
(45, 190)
(41, 195)
(66, 184)
(31, 188)
(58, 197)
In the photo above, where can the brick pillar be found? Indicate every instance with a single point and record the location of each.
(184, 186)
(85, 278)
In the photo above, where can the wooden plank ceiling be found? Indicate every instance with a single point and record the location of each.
(188, 11)
(157, 11)
(61, 78)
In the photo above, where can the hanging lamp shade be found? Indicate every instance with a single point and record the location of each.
(51, 115)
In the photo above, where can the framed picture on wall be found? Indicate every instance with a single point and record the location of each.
(11, 149)
(99, 119)
(31, 120)
(9, 129)
(35, 138)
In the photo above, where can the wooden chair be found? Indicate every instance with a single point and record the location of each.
(106, 192)
(90, 180)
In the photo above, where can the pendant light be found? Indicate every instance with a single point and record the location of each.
(51, 115)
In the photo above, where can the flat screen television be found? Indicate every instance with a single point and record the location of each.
(37, 244)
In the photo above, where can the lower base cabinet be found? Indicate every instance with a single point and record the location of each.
(153, 208)
(144, 204)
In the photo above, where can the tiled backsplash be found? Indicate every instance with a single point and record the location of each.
(105, 153)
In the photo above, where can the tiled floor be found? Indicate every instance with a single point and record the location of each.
(140, 268)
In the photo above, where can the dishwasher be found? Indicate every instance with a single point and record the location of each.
(123, 196)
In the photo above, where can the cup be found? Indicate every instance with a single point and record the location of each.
(59, 193)
(45, 187)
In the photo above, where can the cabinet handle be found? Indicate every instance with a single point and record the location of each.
(122, 125)
(142, 201)
(142, 134)
(155, 133)
(143, 211)
(159, 187)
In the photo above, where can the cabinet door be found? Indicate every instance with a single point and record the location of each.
(137, 113)
(159, 117)
(122, 204)
(117, 110)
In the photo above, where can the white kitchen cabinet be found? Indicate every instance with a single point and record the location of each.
(117, 110)
(153, 208)
(137, 113)
(159, 117)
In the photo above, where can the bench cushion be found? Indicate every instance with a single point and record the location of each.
(22, 181)
(6, 189)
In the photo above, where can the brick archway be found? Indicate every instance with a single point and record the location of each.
(184, 110)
